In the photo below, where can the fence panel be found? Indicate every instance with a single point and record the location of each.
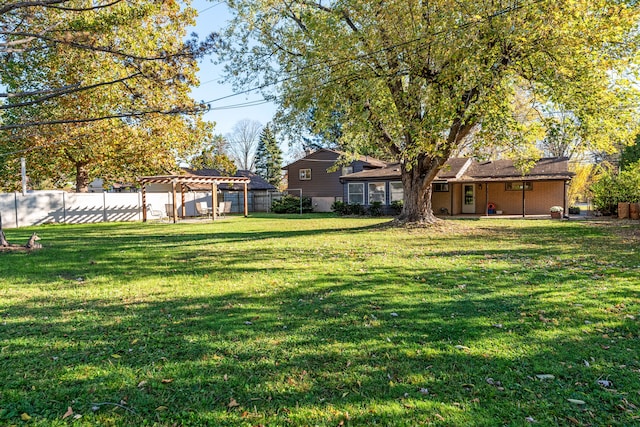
(122, 207)
(8, 210)
(39, 208)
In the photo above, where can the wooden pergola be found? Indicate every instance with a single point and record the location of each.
(183, 181)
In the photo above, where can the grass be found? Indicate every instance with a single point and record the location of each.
(316, 320)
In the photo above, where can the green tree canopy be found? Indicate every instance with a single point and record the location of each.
(416, 78)
(97, 90)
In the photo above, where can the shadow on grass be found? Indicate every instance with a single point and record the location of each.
(456, 339)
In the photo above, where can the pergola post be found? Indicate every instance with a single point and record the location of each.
(144, 203)
(246, 200)
(173, 194)
(214, 201)
(184, 204)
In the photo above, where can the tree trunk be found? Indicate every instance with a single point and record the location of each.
(3, 239)
(82, 178)
(417, 189)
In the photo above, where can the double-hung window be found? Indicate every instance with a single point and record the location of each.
(396, 191)
(377, 192)
(355, 193)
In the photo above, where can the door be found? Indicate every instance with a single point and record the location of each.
(468, 198)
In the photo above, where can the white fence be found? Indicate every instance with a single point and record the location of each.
(76, 208)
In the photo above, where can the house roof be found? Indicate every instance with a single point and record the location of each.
(256, 182)
(467, 170)
(556, 167)
(334, 154)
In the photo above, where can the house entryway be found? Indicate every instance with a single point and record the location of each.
(468, 198)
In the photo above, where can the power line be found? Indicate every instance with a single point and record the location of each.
(516, 7)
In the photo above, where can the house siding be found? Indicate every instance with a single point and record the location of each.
(537, 201)
(322, 183)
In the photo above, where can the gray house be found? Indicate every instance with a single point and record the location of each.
(314, 177)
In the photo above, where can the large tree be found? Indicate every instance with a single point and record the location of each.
(97, 90)
(417, 76)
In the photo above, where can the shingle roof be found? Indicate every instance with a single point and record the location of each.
(504, 170)
(547, 167)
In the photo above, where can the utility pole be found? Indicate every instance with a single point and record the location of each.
(23, 166)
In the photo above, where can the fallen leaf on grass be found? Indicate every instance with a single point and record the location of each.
(462, 347)
(142, 384)
(530, 420)
(545, 377)
(440, 417)
(577, 401)
(605, 383)
(25, 417)
(161, 408)
(166, 380)
(116, 356)
(233, 403)
(68, 413)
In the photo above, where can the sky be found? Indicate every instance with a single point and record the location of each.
(224, 112)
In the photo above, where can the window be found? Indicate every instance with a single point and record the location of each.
(517, 186)
(347, 170)
(396, 191)
(440, 187)
(305, 174)
(356, 193)
(377, 192)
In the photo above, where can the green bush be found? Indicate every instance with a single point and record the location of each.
(613, 188)
(375, 209)
(291, 204)
(396, 207)
(355, 209)
(339, 207)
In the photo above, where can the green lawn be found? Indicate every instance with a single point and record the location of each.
(316, 320)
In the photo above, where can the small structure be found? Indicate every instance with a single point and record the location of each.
(182, 182)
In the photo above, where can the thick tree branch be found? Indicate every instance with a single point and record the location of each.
(59, 92)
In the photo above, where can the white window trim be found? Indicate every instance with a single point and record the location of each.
(303, 175)
(384, 192)
(361, 184)
(391, 199)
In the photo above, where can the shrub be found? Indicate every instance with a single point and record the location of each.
(375, 209)
(612, 189)
(355, 209)
(396, 207)
(339, 207)
(291, 204)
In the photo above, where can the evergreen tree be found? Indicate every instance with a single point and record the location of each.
(269, 157)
